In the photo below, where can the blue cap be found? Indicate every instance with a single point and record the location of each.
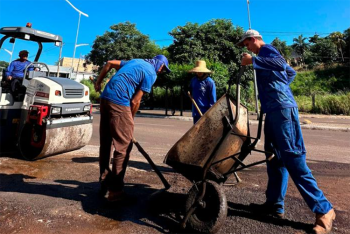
(163, 59)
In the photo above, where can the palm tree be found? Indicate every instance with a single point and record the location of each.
(300, 46)
(338, 39)
(314, 38)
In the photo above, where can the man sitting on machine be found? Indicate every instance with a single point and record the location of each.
(15, 71)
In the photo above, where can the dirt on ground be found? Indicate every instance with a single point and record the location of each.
(60, 195)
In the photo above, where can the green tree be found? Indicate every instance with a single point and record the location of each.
(124, 41)
(214, 41)
(4, 64)
(300, 45)
(338, 40)
(282, 47)
(347, 43)
(314, 38)
(323, 51)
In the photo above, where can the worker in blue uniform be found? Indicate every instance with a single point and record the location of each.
(120, 101)
(15, 71)
(202, 88)
(283, 134)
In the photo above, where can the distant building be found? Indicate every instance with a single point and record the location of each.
(79, 71)
(66, 72)
(79, 64)
(297, 59)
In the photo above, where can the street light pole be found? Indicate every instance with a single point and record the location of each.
(76, 38)
(10, 53)
(13, 47)
(79, 57)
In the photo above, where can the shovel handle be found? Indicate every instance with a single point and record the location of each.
(195, 104)
(155, 168)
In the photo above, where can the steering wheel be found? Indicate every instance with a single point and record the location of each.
(35, 67)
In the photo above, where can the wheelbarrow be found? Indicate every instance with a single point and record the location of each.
(209, 153)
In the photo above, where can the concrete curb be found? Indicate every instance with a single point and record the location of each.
(310, 126)
(165, 117)
(314, 127)
(251, 122)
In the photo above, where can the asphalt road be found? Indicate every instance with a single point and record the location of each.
(158, 135)
(58, 194)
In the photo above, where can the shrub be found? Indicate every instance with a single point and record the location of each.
(335, 104)
(338, 104)
(304, 103)
(94, 96)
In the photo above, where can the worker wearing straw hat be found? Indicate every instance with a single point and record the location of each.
(202, 89)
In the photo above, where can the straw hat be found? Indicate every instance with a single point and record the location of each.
(201, 66)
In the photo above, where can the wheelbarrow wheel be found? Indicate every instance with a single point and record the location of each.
(211, 213)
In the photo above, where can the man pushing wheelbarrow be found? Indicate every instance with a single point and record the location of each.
(217, 144)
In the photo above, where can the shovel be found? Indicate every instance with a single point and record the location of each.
(155, 168)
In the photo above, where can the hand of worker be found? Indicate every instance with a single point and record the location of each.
(9, 78)
(246, 59)
(97, 86)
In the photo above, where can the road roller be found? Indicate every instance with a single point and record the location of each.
(45, 114)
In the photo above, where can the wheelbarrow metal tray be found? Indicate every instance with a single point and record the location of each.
(189, 154)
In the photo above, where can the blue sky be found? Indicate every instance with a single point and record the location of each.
(285, 19)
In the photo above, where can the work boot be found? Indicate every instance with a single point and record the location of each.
(105, 181)
(103, 189)
(323, 224)
(267, 209)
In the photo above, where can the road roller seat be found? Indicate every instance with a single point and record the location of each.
(5, 84)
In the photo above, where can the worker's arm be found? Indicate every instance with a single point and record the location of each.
(274, 61)
(290, 74)
(270, 59)
(135, 102)
(109, 65)
(212, 91)
(9, 71)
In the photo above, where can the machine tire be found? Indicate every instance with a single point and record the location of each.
(27, 151)
(210, 218)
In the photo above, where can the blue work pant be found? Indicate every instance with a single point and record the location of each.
(283, 137)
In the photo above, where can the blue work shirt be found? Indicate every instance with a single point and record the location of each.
(204, 94)
(16, 68)
(133, 75)
(273, 78)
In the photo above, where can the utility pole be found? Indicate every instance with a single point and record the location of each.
(255, 85)
(76, 74)
(248, 14)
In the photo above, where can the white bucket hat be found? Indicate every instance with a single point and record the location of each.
(249, 33)
(201, 66)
